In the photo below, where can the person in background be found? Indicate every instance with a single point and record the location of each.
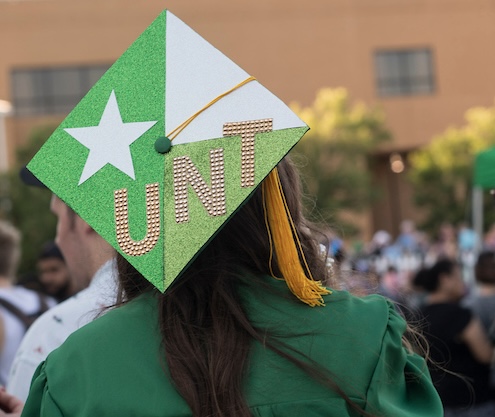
(469, 245)
(407, 241)
(459, 347)
(447, 241)
(467, 238)
(54, 274)
(482, 301)
(489, 238)
(390, 285)
(18, 305)
(90, 261)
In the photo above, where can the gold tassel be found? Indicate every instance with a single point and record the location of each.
(282, 233)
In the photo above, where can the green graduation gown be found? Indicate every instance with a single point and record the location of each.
(115, 365)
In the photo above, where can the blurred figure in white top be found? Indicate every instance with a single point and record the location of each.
(18, 305)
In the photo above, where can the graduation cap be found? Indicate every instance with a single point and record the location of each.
(166, 147)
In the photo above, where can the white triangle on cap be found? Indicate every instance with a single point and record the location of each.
(197, 73)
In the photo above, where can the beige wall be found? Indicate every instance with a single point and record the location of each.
(292, 47)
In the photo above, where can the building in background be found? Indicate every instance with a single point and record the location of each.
(425, 62)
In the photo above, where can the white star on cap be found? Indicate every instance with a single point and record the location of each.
(109, 142)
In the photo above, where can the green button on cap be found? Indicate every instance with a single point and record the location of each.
(163, 144)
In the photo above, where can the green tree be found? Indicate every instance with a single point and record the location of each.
(442, 171)
(28, 207)
(334, 156)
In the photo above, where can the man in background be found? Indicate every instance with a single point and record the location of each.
(91, 263)
(53, 273)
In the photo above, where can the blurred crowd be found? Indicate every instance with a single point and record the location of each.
(388, 265)
(445, 286)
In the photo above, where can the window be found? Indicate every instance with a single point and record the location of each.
(404, 72)
(52, 90)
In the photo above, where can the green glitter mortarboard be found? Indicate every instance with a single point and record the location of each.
(111, 161)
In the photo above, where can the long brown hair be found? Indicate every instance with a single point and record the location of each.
(205, 330)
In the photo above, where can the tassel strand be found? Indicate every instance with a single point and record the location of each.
(283, 237)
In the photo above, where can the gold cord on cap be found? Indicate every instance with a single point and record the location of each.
(173, 134)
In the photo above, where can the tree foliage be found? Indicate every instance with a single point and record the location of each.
(442, 171)
(334, 156)
(28, 207)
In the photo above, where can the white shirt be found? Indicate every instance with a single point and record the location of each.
(29, 303)
(51, 329)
